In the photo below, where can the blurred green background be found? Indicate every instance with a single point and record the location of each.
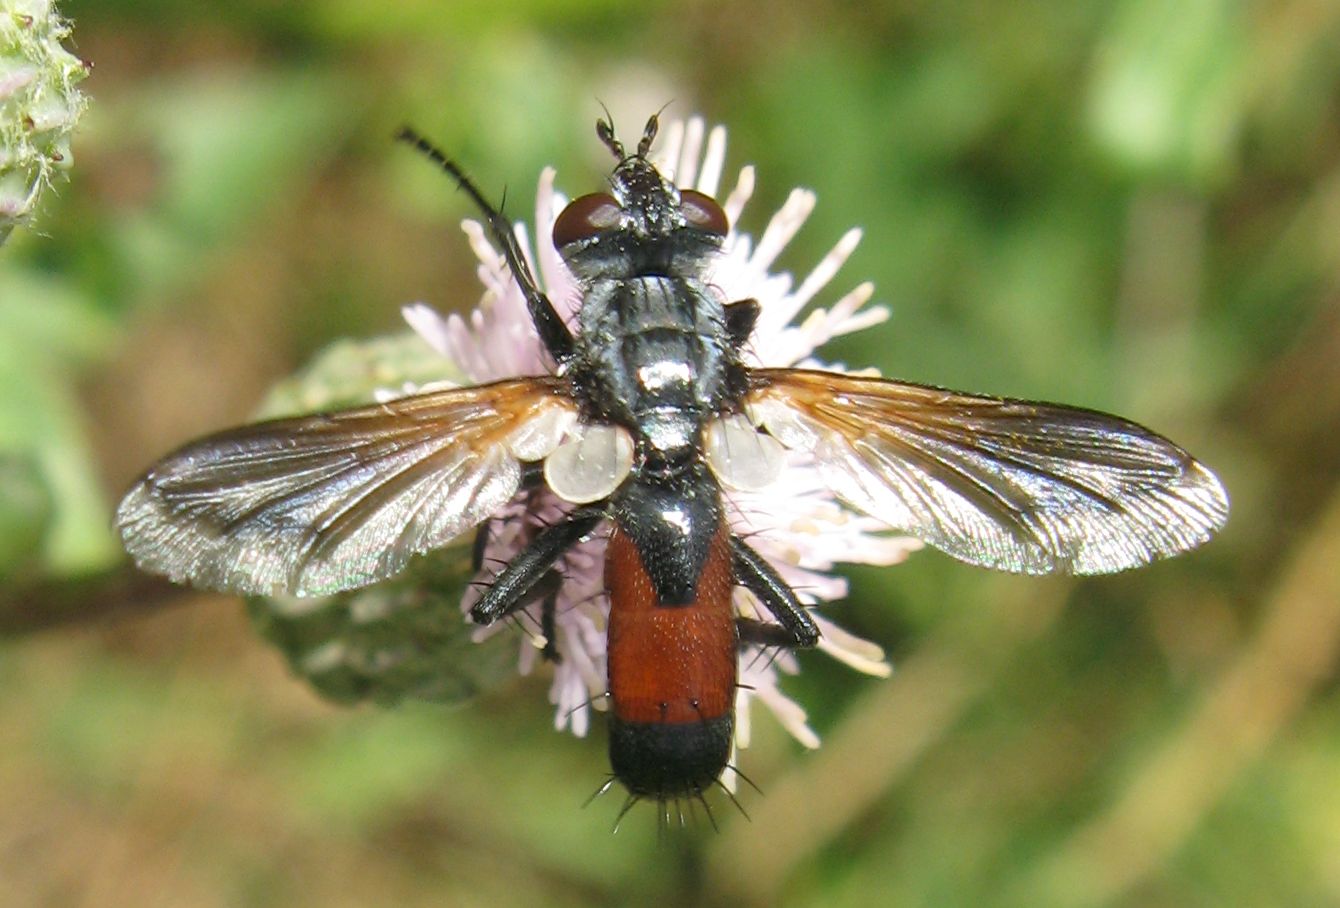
(1133, 206)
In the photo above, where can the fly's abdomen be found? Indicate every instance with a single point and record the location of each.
(672, 674)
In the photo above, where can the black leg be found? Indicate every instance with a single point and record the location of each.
(532, 477)
(553, 332)
(545, 590)
(764, 633)
(517, 584)
(796, 629)
(548, 624)
(480, 545)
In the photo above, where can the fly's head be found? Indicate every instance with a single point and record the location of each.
(644, 225)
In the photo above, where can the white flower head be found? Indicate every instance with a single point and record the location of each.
(803, 533)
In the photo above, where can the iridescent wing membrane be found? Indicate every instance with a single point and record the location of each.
(318, 504)
(1007, 484)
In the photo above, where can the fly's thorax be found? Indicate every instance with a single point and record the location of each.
(654, 355)
(667, 439)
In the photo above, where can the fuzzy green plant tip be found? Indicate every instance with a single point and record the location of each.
(39, 105)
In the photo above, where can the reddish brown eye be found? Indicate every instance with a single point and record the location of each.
(703, 212)
(585, 217)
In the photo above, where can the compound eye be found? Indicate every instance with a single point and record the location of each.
(585, 217)
(702, 212)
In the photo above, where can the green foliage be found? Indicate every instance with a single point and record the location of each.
(46, 329)
(403, 639)
(1166, 100)
(225, 145)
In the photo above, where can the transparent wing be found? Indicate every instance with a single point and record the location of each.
(1007, 484)
(317, 504)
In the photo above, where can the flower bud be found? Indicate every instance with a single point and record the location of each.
(39, 104)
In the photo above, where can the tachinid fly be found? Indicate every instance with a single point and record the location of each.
(651, 410)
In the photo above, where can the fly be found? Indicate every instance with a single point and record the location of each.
(650, 410)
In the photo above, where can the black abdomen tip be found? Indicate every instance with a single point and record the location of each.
(667, 760)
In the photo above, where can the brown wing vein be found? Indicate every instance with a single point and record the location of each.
(1015, 485)
(318, 504)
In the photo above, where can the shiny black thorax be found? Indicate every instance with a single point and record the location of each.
(653, 356)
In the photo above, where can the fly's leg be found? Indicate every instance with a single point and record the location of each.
(795, 629)
(532, 477)
(524, 578)
(555, 335)
(545, 590)
(765, 634)
(548, 614)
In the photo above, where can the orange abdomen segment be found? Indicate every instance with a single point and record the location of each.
(670, 663)
(672, 674)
